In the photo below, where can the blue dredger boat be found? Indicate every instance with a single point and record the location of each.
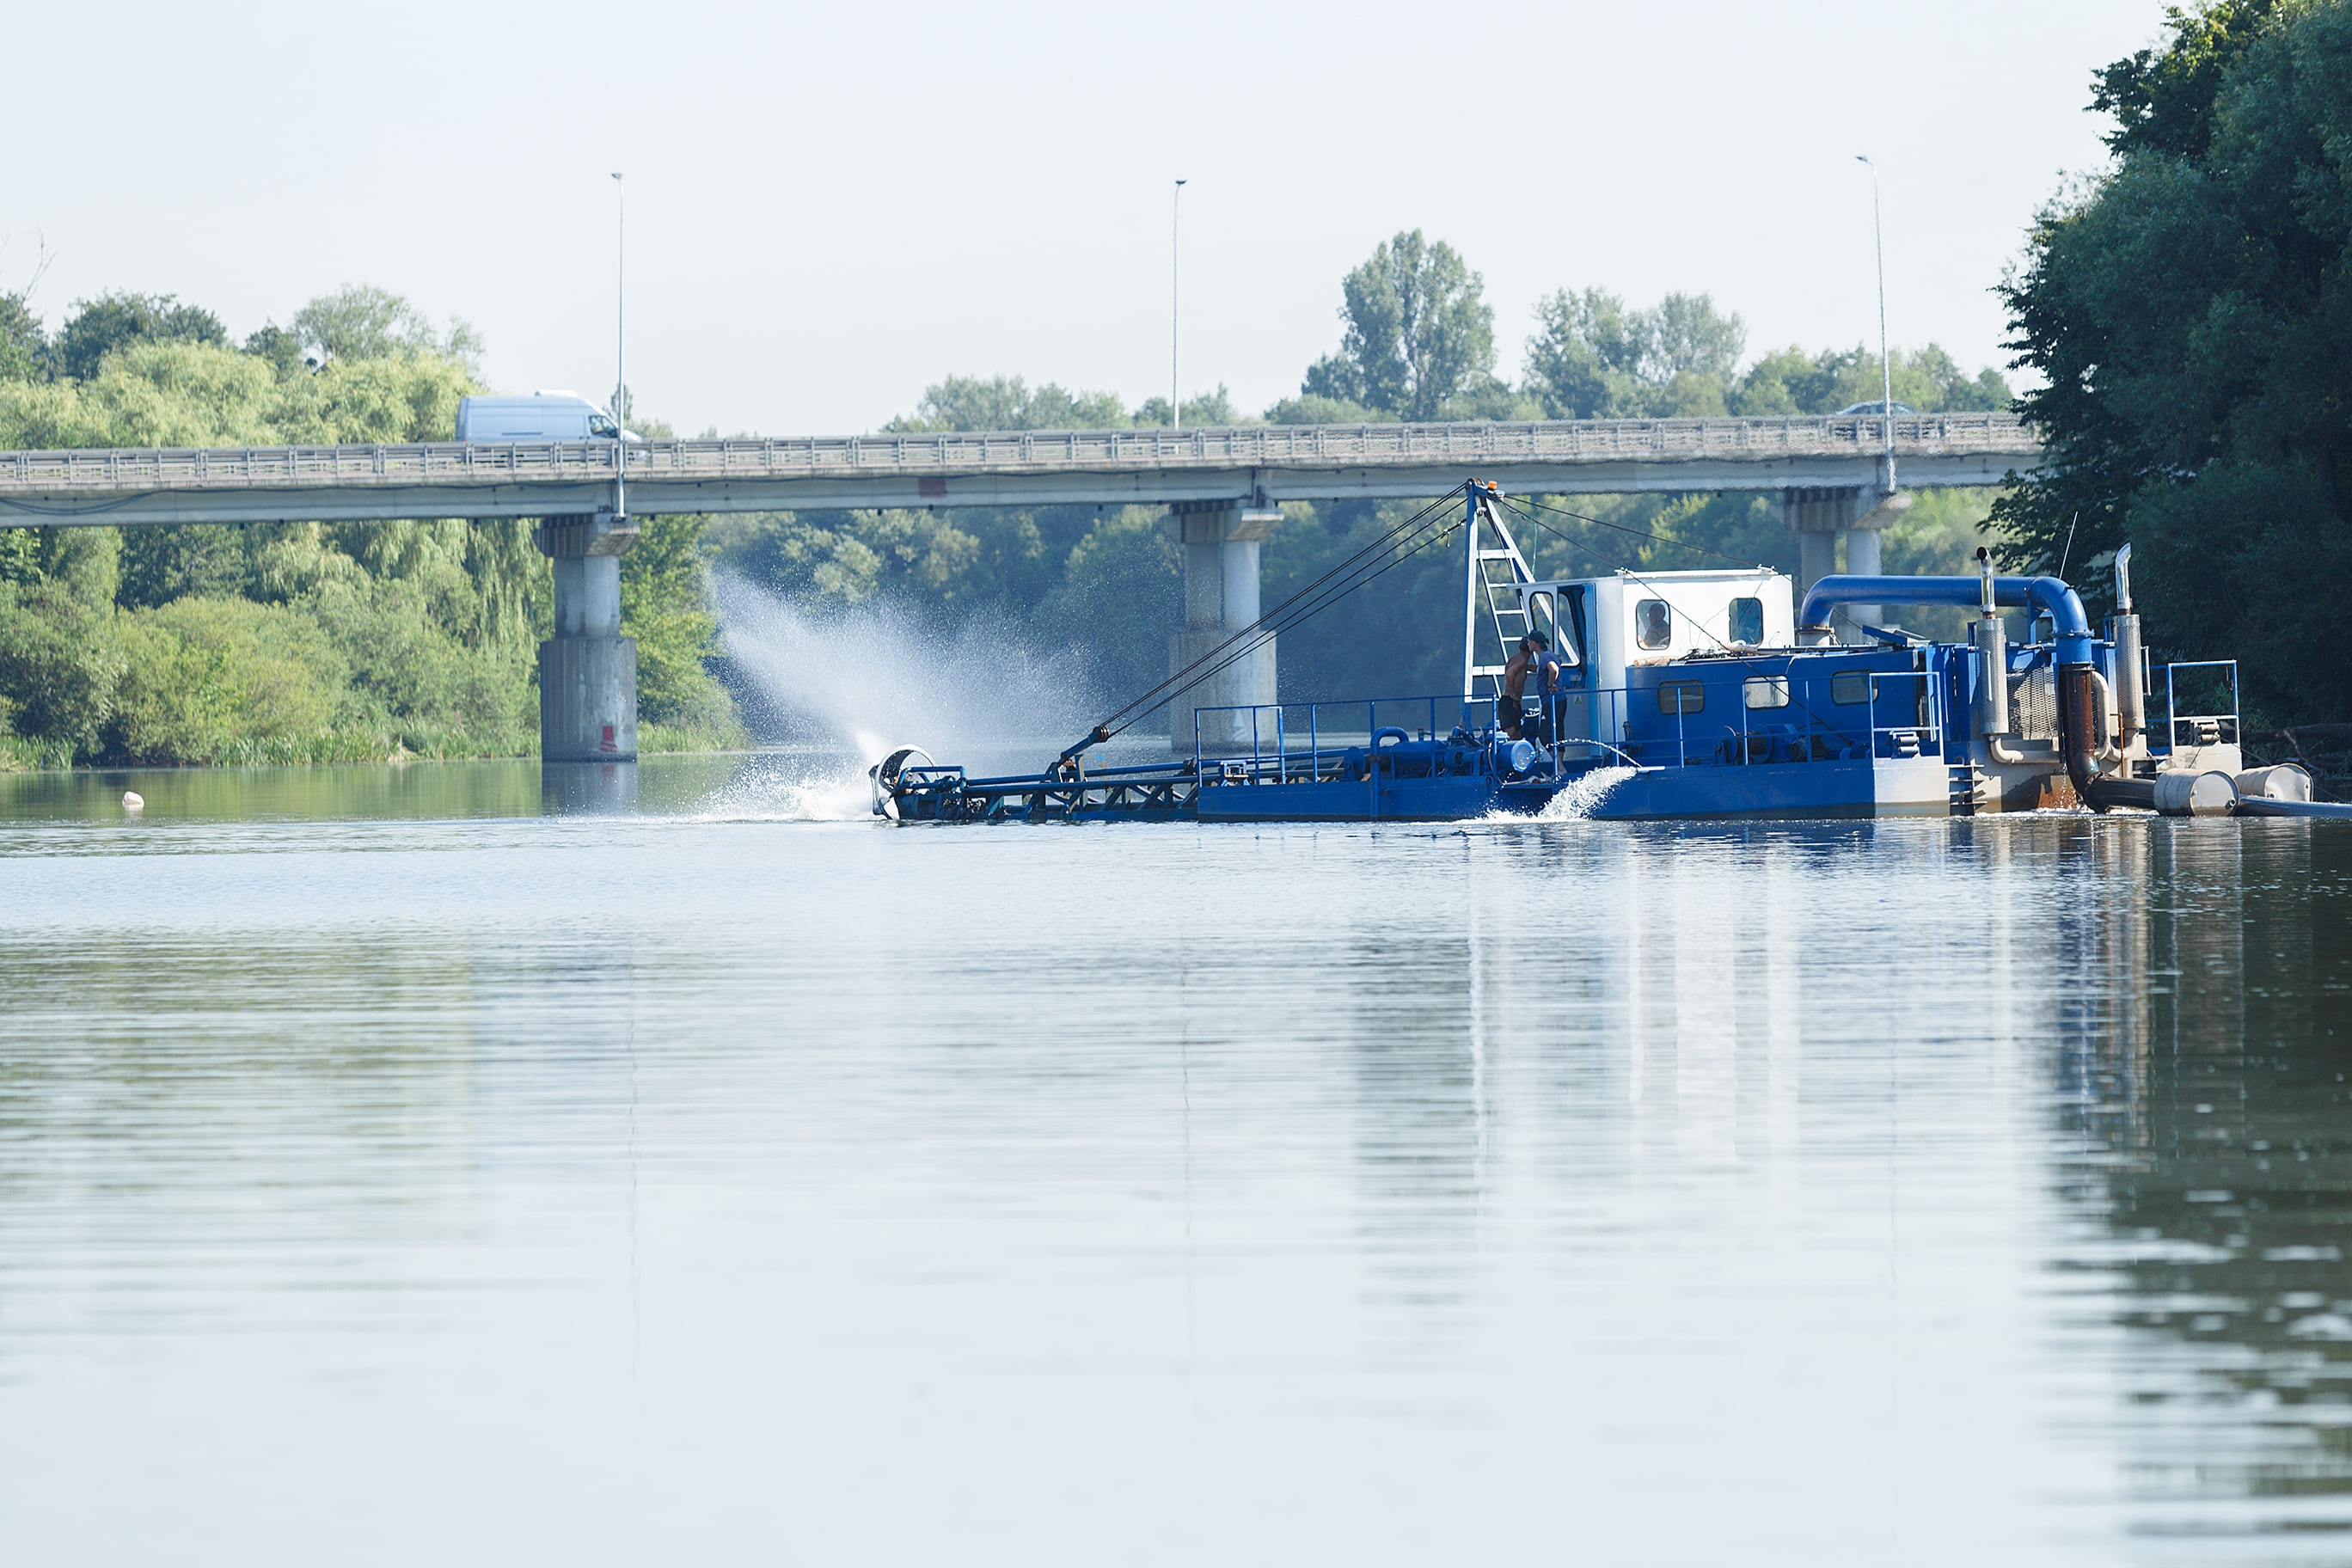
(1678, 694)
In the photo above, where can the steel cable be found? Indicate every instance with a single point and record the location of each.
(1278, 620)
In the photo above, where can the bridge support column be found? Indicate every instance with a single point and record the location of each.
(1818, 516)
(1862, 560)
(1220, 540)
(587, 670)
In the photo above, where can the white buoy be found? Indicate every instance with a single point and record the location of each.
(133, 800)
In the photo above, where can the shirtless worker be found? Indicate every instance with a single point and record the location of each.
(1534, 658)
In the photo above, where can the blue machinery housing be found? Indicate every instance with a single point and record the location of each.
(1669, 701)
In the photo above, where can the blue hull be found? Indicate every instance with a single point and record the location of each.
(1839, 788)
(1842, 787)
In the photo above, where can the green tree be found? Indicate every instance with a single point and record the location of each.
(2167, 100)
(1585, 356)
(1208, 408)
(2189, 313)
(1790, 381)
(24, 344)
(1591, 357)
(1420, 332)
(207, 678)
(1008, 403)
(1689, 337)
(1314, 409)
(361, 321)
(664, 607)
(99, 327)
(279, 349)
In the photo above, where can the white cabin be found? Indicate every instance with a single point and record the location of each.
(1608, 624)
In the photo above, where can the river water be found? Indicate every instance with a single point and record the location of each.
(423, 1165)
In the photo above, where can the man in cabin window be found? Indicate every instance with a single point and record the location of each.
(1534, 659)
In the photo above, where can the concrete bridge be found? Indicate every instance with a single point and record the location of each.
(1223, 488)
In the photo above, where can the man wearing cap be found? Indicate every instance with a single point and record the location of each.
(1534, 658)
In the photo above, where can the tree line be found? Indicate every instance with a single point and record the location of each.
(1417, 342)
(298, 641)
(2184, 316)
(317, 641)
(2188, 313)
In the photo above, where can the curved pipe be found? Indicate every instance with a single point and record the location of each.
(2050, 595)
(2009, 756)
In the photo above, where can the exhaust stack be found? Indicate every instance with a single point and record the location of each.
(1991, 711)
(2131, 692)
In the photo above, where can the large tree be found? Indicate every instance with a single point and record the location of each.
(2190, 312)
(100, 326)
(361, 321)
(1010, 403)
(1420, 332)
(23, 346)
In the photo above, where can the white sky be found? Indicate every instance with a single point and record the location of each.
(831, 206)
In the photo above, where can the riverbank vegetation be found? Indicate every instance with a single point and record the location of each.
(2185, 314)
(312, 642)
(300, 642)
(2189, 313)
(321, 642)
(1417, 341)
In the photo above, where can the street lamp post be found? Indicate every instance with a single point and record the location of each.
(1175, 265)
(621, 306)
(1885, 363)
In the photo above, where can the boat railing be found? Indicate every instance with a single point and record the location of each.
(2199, 729)
(1924, 737)
(1581, 726)
(1268, 725)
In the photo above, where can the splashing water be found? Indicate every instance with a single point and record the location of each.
(857, 684)
(1577, 798)
(877, 676)
(818, 787)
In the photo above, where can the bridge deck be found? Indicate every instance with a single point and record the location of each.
(1014, 468)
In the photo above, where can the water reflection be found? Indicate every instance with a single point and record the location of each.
(1907, 1192)
(588, 789)
(2204, 1068)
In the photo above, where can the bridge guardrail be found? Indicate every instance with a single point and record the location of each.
(945, 453)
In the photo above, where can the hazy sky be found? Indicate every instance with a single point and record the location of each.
(831, 206)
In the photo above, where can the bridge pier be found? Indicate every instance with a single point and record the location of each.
(1220, 542)
(1818, 516)
(587, 670)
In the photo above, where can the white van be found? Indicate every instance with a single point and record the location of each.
(542, 416)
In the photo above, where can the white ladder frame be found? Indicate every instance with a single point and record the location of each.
(1504, 605)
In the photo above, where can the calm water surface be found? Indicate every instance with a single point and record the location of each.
(431, 1165)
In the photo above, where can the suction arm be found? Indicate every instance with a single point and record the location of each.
(1100, 733)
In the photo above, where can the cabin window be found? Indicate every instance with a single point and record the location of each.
(1748, 627)
(1850, 688)
(1571, 648)
(1767, 691)
(1539, 619)
(1654, 625)
(1681, 696)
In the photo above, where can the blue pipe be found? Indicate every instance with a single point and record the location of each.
(2045, 594)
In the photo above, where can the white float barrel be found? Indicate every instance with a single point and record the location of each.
(2196, 794)
(2285, 781)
